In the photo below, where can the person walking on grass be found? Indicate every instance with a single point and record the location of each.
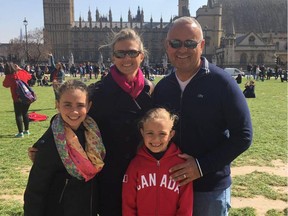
(13, 72)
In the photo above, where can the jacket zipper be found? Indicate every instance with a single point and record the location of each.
(181, 99)
(62, 193)
(91, 199)
(157, 193)
(180, 134)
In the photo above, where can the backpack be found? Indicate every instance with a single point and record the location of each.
(25, 93)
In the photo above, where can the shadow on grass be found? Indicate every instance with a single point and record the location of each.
(31, 110)
(8, 136)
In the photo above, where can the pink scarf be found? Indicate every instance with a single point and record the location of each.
(134, 87)
(80, 163)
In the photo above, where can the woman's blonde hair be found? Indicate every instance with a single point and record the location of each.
(125, 34)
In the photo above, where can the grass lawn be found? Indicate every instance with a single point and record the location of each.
(269, 116)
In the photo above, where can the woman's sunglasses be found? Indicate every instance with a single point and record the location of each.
(190, 44)
(123, 53)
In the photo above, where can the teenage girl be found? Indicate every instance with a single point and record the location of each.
(70, 154)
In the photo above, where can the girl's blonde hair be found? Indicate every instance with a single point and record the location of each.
(158, 113)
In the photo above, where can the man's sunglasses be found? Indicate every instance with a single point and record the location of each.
(190, 44)
(123, 53)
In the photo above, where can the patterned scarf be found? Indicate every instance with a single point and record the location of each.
(133, 88)
(79, 163)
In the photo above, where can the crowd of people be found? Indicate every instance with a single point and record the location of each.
(187, 129)
(261, 72)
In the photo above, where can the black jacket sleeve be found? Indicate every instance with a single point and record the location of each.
(41, 175)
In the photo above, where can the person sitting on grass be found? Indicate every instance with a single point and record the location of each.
(249, 91)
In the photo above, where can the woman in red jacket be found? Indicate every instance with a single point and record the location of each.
(147, 186)
(13, 72)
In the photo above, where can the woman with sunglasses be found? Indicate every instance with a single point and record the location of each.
(119, 101)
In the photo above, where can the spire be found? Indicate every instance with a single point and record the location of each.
(89, 13)
(142, 16)
(110, 15)
(97, 15)
(89, 18)
(129, 16)
(80, 22)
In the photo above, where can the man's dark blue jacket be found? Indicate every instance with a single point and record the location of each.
(215, 125)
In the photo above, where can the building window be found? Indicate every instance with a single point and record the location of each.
(260, 59)
(251, 40)
(277, 45)
(207, 41)
(243, 59)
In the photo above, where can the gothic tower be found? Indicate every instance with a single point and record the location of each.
(58, 20)
(210, 18)
(183, 8)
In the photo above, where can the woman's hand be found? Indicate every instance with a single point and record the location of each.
(185, 172)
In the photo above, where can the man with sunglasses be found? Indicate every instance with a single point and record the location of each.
(215, 125)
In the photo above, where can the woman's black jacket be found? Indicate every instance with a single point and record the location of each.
(117, 114)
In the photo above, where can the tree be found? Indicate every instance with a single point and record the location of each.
(37, 50)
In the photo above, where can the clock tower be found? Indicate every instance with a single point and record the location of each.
(58, 20)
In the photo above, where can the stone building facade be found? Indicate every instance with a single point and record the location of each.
(234, 32)
(83, 38)
(245, 32)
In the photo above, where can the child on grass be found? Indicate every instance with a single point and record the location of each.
(69, 155)
(147, 188)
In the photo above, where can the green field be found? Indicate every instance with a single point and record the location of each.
(269, 116)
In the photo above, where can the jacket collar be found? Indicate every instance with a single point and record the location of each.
(203, 70)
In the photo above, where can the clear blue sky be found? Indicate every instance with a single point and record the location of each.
(13, 12)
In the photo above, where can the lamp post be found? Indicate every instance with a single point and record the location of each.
(205, 37)
(25, 22)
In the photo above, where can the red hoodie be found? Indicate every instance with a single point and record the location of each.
(9, 81)
(147, 189)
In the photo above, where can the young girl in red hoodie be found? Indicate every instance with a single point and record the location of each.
(147, 187)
